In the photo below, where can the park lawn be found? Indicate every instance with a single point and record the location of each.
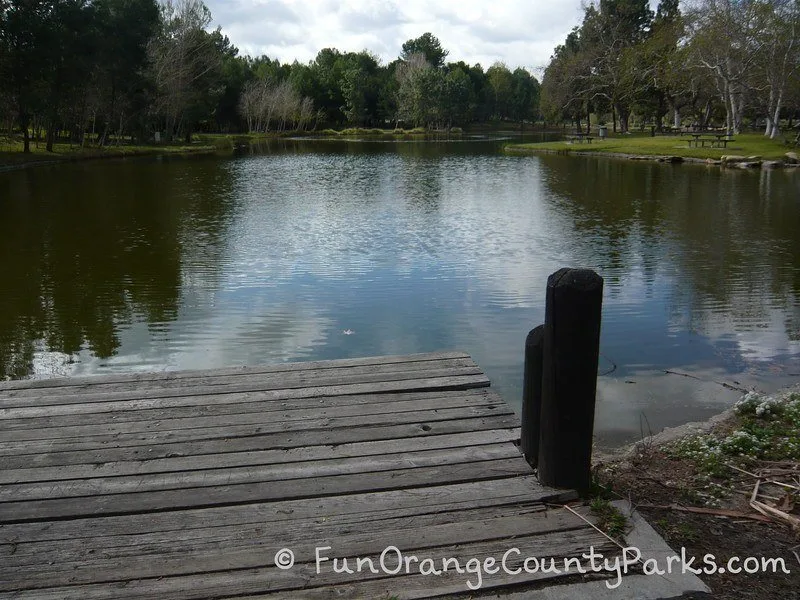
(750, 144)
(11, 154)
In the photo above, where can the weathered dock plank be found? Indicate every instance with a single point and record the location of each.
(184, 485)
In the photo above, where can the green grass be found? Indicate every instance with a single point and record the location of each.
(11, 151)
(375, 132)
(750, 144)
(609, 519)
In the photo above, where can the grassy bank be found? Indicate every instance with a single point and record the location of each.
(350, 132)
(750, 144)
(361, 132)
(12, 155)
(732, 490)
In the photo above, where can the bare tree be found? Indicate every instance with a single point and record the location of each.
(780, 59)
(263, 102)
(181, 56)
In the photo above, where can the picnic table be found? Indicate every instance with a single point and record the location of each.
(580, 138)
(715, 140)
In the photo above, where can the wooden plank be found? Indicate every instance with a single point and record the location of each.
(192, 374)
(283, 440)
(340, 510)
(253, 474)
(287, 379)
(261, 417)
(445, 380)
(309, 427)
(448, 585)
(234, 582)
(223, 402)
(115, 504)
(248, 403)
(234, 553)
(109, 546)
(263, 457)
(478, 521)
(487, 524)
(218, 385)
(184, 485)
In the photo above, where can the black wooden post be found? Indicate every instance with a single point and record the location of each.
(532, 395)
(569, 378)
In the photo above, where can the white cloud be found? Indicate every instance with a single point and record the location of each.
(516, 32)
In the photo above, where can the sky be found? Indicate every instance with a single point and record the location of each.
(520, 33)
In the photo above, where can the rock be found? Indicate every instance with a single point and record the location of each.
(732, 158)
(792, 158)
(771, 164)
(754, 158)
(712, 161)
(753, 164)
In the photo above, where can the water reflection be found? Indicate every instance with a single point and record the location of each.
(274, 254)
(90, 249)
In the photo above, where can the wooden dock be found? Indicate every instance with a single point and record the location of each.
(185, 485)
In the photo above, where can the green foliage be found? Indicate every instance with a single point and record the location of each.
(610, 519)
(103, 70)
(767, 429)
(725, 59)
(429, 46)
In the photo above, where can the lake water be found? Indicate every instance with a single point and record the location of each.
(303, 249)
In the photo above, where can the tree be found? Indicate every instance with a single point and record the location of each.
(565, 93)
(185, 63)
(26, 34)
(429, 46)
(455, 97)
(665, 61)
(125, 28)
(779, 60)
(726, 38)
(418, 93)
(359, 83)
(524, 103)
(501, 84)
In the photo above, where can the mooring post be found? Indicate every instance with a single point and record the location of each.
(569, 378)
(532, 395)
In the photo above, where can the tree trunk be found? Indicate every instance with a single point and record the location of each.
(623, 118)
(776, 118)
(26, 135)
(51, 131)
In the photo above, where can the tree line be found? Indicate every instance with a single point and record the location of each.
(107, 70)
(726, 62)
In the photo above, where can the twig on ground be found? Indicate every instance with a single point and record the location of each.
(771, 511)
(708, 511)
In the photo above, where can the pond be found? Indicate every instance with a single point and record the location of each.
(318, 249)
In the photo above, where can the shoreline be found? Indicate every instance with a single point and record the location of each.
(727, 487)
(746, 161)
(28, 161)
(207, 144)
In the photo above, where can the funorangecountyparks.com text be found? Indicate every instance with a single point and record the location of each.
(393, 561)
